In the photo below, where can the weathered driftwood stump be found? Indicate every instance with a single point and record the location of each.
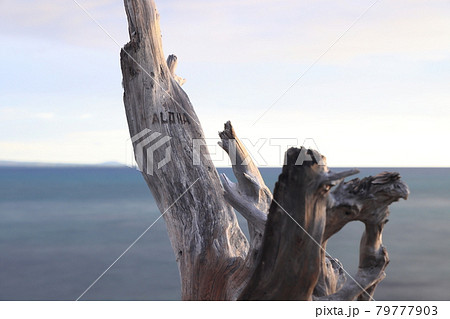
(284, 258)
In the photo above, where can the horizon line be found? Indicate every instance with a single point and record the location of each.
(115, 164)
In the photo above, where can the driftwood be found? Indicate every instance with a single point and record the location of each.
(285, 256)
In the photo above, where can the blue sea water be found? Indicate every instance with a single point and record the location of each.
(60, 228)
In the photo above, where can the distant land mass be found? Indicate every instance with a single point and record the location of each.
(44, 164)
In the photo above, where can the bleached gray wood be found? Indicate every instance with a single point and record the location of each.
(250, 196)
(368, 201)
(203, 230)
(290, 257)
(172, 63)
(215, 260)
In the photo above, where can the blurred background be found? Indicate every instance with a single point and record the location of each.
(62, 227)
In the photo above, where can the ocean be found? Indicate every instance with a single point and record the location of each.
(60, 228)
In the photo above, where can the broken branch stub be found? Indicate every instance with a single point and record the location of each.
(284, 258)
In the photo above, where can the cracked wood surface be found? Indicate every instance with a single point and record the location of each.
(284, 258)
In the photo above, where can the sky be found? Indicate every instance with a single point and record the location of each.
(371, 93)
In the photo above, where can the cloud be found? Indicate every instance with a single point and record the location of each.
(64, 21)
(86, 116)
(45, 116)
(238, 56)
(87, 147)
(17, 113)
(300, 31)
(248, 31)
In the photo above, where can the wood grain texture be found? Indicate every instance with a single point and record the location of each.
(365, 200)
(289, 264)
(284, 257)
(202, 226)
